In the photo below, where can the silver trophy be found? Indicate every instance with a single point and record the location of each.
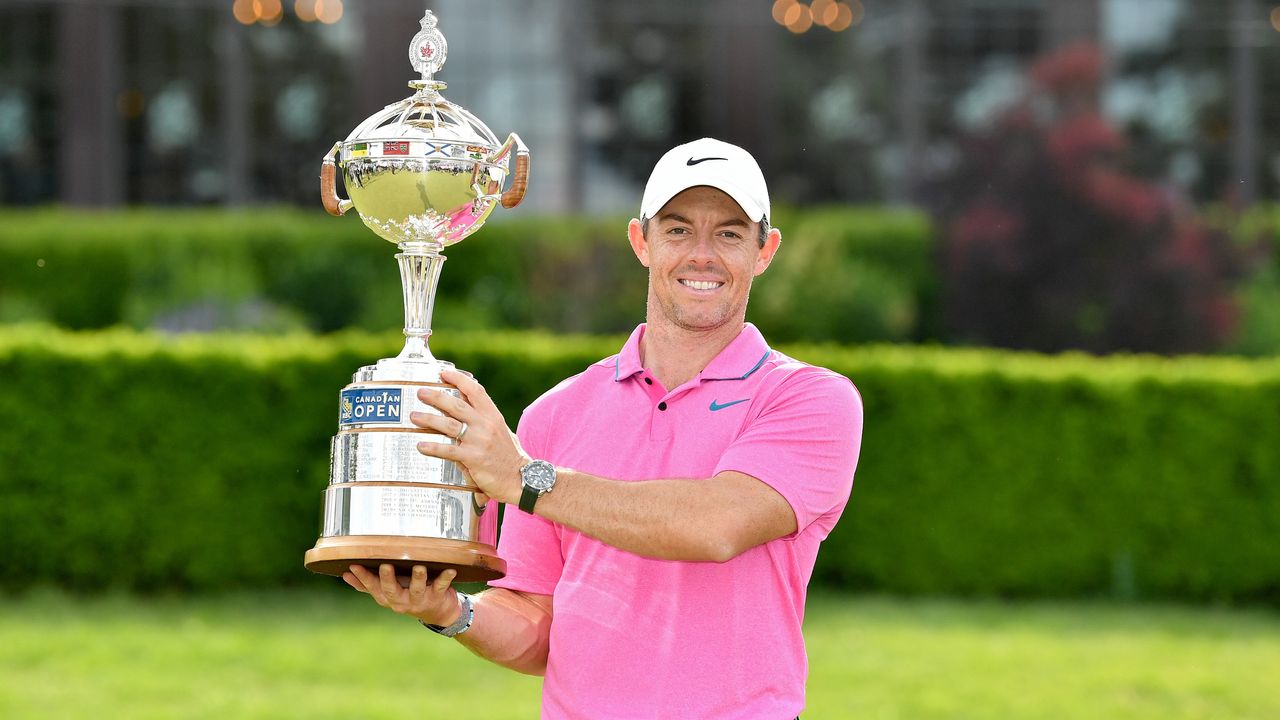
(422, 173)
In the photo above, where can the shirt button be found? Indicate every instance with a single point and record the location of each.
(662, 406)
(648, 381)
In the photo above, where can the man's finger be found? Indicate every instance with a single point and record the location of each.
(444, 451)
(448, 404)
(370, 582)
(446, 426)
(440, 424)
(418, 584)
(444, 580)
(362, 576)
(387, 581)
(473, 391)
(354, 582)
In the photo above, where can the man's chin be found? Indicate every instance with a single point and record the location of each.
(702, 322)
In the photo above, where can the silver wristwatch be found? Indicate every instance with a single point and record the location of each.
(459, 626)
(537, 478)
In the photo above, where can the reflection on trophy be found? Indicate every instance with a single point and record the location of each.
(424, 174)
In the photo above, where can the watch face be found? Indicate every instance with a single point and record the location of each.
(540, 475)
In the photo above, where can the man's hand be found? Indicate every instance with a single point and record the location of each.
(435, 603)
(489, 452)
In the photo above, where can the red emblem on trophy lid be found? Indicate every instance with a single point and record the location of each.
(428, 49)
(398, 147)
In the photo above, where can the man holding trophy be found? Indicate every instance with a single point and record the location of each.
(672, 497)
(665, 505)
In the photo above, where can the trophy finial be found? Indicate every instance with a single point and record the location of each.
(428, 49)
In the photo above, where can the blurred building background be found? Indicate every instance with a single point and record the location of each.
(234, 102)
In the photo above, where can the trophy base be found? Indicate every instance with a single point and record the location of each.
(475, 562)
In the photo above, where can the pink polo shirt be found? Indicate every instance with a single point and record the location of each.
(634, 637)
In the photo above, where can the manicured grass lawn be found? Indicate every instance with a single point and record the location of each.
(890, 660)
(321, 654)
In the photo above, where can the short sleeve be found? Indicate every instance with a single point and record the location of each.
(804, 443)
(530, 545)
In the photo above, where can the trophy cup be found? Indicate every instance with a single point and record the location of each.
(422, 173)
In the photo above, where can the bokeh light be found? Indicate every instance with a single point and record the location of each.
(824, 12)
(799, 18)
(835, 15)
(244, 12)
(269, 11)
(843, 19)
(858, 11)
(780, 8)
(305, 10)
(329, 11)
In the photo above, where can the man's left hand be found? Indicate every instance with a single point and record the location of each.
(489, 452)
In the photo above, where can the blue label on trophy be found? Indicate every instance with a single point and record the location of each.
(368, 405)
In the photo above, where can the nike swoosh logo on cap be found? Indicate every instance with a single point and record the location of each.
(691, 162)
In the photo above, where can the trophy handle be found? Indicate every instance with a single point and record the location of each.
(333, 204)
(520, 176)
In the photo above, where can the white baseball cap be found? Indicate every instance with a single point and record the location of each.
(707, 162)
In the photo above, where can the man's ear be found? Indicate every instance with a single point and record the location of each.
(635, 234)
(771, 243)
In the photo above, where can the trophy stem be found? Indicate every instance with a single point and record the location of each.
(420, 265)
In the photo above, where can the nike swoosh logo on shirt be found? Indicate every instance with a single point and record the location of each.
(718, 406)
(691, 162)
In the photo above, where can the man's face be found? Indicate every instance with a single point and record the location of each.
(702, 252)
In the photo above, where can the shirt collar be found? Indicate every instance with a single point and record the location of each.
(628, 361)
(737, 361)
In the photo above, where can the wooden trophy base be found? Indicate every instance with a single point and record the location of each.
(475, 562)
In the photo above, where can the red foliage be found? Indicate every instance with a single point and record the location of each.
(985, 230)
(1081, 140)
(1070, 68)
(1050, 244)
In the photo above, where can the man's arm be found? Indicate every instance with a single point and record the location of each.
(712, 519)
(510, 628)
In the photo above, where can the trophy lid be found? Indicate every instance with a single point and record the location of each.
(426, 115)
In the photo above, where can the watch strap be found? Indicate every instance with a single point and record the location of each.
(459, 626)
(537, 478)
(528, 496)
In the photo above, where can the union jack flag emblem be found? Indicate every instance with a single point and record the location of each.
(399, 147)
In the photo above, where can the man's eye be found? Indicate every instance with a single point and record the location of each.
(678, 231)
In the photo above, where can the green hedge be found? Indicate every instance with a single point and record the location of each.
(1257, 295)
(144, 461)
(290, 269)
(851, 275)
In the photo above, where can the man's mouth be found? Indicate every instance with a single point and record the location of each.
(701, 284)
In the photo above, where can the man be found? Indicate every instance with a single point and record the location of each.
(672, 497)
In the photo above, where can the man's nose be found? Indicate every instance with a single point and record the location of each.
(704, 248)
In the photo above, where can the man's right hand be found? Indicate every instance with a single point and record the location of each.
(434, 603)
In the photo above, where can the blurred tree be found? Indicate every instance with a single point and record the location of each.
(1049, 244)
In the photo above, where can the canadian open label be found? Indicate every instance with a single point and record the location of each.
(370, 405)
